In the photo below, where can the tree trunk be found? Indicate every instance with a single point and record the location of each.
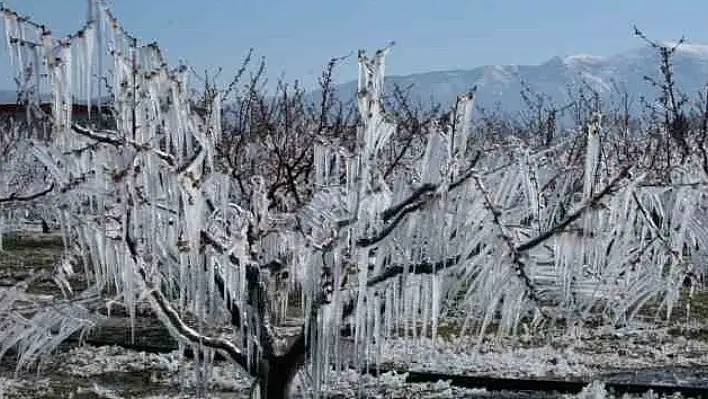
(278, 382)
(278, 373)
(275, 382)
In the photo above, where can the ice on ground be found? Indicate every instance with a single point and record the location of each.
(576, 357)
(96, 370)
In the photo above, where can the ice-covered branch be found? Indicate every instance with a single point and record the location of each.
(172, 317)
(515, 253)
(18, 197)
(116, 140)
(420, 196)
(593, 201)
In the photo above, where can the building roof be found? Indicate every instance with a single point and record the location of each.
(77, 109)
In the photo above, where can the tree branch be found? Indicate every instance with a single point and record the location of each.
(14, 197)
(593, 201)
(172, 317)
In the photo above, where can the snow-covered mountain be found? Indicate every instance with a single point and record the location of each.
(503, 84)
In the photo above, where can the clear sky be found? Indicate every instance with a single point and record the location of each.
(298, 37)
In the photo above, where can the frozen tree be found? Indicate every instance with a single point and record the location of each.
(503, 232)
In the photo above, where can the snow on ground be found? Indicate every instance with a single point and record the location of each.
(112, 372)
(580, 356)
(232, 383)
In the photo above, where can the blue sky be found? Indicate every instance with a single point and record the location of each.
(298, 37)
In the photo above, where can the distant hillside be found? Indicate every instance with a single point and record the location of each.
(502, 84)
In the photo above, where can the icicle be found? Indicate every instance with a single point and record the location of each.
(389, 311)
(12, 29)
(2, 228)
(592, 157)
(361, 310)
(426, 310)
(89, 44)
(378, 334)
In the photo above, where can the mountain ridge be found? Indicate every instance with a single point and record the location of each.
(501, 85)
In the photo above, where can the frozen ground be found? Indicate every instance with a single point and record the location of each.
(96, 373)
(582, 356)
(112, 372)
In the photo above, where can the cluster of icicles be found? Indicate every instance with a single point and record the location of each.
(149, 180)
